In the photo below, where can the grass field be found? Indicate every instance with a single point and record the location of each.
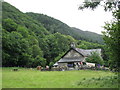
(28, 78)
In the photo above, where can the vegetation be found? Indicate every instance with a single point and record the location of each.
(31, 39)
(100, 81)
(88, 36)
(31, 78)
(26, 43)
(112, 33)
(112, 39)
(53, 26)
(95, 58)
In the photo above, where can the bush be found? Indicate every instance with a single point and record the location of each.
(95, 58)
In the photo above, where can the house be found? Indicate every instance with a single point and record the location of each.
(75, 56)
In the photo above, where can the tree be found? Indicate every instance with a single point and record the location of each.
(23, 31)
(54, 44)
(9, 25)
(39, 61)
(95, 58)
(112, 33)
(112, 39)
(92, 4)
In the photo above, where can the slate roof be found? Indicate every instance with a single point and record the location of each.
(84, 53)
(88, 52)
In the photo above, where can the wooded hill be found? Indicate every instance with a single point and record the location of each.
(31, 39)
(54, 25)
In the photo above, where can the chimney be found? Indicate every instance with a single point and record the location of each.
(72, 45)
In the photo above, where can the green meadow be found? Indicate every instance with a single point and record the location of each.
(32, 78)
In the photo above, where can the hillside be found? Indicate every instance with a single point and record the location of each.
(89, 36)
(51, 24)
(29, 42)
(22, 19)
(54, 25)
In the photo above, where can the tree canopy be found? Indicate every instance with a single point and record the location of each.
(95, 58)
(112, 33)
(30, 41)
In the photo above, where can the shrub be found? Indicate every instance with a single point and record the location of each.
(95, 58)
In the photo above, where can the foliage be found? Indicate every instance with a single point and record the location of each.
(112, 39)
(91, 4)
(51, 64)
(87, 45)
(10, 14)
(88, 36)
(112, 33)
(28, 43)
(55, 44)
(18, 50)
(104, 49)
(100, 81)
(95, 58)
(59, 57)
(53, 26)
(9, 25)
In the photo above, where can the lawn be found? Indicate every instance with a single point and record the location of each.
(31, 78)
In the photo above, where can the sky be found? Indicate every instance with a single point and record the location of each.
(67, 12)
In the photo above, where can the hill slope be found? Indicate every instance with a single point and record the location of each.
(54, 25)
(26, 42)
(22, 19)
(89, 36)
(29, 42)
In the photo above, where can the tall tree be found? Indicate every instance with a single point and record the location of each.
(112, 33)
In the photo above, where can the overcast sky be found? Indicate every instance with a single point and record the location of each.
(67, 12)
